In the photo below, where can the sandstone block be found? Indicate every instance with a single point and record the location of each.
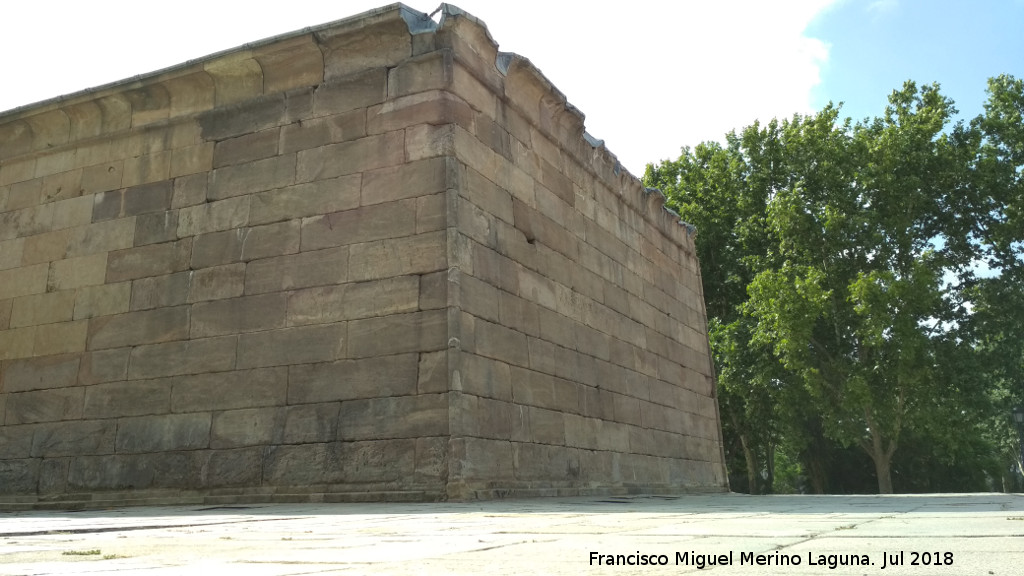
(102, 300)
(189, 190)
(191, 159)
(222, 215)
(360, 155)
(183, 357)
(352, 92)
(303, 345)
(41, 373)
(46, 308)
(102, 237)
(103, 366)
(142, 199)
(301, 270)
(160, 291)
(398, 333)
(356, 300)
(229, 390)
(396, 417)
(137, 328)
(320, 131)
(238, 119)
(72, 212)
(163, 433)
(417, 254)
(271, 240)
(216, 248)
(247, 427)
(19, 476)
(433, 372)
(324, 196)
(44, 405)
(481, 459)
(501, 343)
(542, 462)
(310, 423)
(11, 252)
(252, 177)
(223, 468)
(391, 220)
(151, 260)
(16, 441)
(23, 281)
(16, 343)
(485, 377)
(236, 315)
(302, 464)
(217, 282)
(102, 178)
(156, 227)
(433, 290)
(60, 338)
(44, 247)
(353, 379)
(74, 438)
(246, 148)
(136, 398)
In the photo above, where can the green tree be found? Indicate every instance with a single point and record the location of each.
(837, 261)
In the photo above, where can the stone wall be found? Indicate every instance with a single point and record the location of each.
(376, 259)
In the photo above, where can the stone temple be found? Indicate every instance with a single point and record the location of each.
(376, 259)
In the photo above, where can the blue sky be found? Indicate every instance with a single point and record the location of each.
(875, 46)
(650, 75)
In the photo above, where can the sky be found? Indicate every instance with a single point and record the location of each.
(650, 76)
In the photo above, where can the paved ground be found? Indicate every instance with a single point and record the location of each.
(957, 534)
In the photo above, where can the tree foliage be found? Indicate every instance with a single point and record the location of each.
(844, 269)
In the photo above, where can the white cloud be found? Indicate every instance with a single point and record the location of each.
(651, 76)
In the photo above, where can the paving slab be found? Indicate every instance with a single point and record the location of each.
(721, 534)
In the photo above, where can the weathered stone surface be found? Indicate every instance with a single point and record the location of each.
(237, 315)
(248, 427)
(322, 196)
(229, 390)
(151, 260)
(163, 433)
(397, 417)
(353, 379)
(74, 438)
(19, 476)
(417, 254)
(252, 177)
(309, 423)
(45, 405)
(143, 327)
(316, 268)
(135, 398)
(156, 227)
(194, 356)
(355, 300)
(391, 220)
(160, 291)
(301, 345)
(41, 373)
(397, 334)
(217, 282)
(103, 366)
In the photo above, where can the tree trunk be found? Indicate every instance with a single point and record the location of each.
(884, 472)
(748, 455)
(882, 457)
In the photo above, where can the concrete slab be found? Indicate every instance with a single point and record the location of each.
(955, 534)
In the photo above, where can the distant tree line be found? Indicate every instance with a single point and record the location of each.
(864, 284)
